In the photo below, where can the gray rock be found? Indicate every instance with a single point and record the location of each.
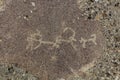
(49, 38)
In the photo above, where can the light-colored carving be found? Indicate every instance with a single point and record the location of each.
(2, 5)
(37, 37)
(32, 38)
(57, 42)
(1, 2)
(53, 58)
(59, 39)
(93, 39)
(71, 39)
(67, 28)
(84, 41)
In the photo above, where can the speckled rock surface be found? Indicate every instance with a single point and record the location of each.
(49, 38)
(107, 12)
(12, 72)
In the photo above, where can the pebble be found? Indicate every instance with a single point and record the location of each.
(33, 4)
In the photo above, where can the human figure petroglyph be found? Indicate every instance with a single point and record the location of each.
(72, 37)
(37, 37)
(93, 39)
(32, 38)
(84, 41)
(70, 40)
(57, 42)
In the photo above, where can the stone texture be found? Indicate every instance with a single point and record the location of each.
(49, 38)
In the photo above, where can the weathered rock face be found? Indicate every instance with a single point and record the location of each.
(50, 38)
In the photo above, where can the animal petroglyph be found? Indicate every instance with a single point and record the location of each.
(37, 37)
(84, 41)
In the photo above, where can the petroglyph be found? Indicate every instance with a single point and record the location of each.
(33, 38)
(71, 39)
(84, 41)
(57, 42)
(54, 58)
(2, 6)
(37, 37)
(93, 39)
(1, 2)
(43, 37)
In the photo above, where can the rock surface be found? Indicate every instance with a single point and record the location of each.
(49, 38)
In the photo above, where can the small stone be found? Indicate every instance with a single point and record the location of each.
(33, 4)
(31, 11)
